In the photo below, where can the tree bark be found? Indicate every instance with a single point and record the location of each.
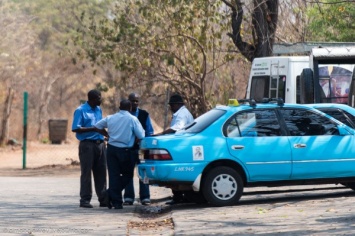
(264, 21)
(43, 106)
(6, 116)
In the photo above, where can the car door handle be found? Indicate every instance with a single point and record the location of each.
(299, 145)
(237, 147)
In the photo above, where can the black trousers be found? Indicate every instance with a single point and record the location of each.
(92, 158)
(120, 164)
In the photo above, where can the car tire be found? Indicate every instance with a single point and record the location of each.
(222, 186)
(195, 197)
(306, 86)
(349, 185)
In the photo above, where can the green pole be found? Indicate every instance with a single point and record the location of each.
(25, 98)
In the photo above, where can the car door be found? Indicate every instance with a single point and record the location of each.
(255, 139)
(318, 151)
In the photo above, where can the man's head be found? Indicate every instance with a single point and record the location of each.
(175, 102)
(134, 99)
(125, 105)
(94, 98)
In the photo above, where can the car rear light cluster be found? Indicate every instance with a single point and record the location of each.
(157, 154)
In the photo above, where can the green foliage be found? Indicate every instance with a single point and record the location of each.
(332, 22)
(179, 43)
(57, 21)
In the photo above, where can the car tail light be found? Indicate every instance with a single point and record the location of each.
(158, 155)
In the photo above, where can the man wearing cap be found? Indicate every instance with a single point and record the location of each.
(181, 115)
(181, 118)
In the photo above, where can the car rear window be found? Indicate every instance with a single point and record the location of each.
(203, 121)
(301, 122)
(340, 115)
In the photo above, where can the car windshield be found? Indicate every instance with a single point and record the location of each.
(203, 121)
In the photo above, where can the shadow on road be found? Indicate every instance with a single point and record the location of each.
(276, 196)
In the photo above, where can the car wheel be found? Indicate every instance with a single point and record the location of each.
(349, 185)
(222, 186)
(195, 197)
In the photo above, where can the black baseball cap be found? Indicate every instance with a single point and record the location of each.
(176, 99)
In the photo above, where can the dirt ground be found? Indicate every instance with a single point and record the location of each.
(40, 160)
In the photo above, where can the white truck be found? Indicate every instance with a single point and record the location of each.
(324, 76)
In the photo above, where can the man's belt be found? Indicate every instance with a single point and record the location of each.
(125, 148)
(98, 141)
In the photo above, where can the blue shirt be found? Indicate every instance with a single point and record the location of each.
(86, 116)
(181, 118)
(122, 128)
(149, 130)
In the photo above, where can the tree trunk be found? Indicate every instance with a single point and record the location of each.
(6, 116)
(264, 20)
(42, 112)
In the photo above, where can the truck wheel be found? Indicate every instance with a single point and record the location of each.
(306, 86)
(222, 186)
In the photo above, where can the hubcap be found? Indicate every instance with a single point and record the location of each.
(224, 187)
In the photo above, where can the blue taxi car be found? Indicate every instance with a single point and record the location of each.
(250, 144)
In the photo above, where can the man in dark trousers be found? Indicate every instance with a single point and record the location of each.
(124, 130)
(92, 149)
(181, 118)
(144, 119)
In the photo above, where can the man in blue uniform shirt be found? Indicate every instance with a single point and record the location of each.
(92, 149)
(124, 130)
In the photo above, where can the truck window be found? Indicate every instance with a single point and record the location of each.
(335, 83)
(267, 87)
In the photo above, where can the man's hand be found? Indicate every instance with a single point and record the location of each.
(102, 131)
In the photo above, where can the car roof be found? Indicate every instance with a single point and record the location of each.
(245, 106)
(336, 105)
(248, 104)
(344, 107)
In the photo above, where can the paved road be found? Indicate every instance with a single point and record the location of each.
(49, 206)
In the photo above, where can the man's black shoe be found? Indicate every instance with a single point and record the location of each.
(173, 202)
(107, 201)
(177, 201)
(128, 203)
(86, 205)
(118, 207)
(145, 202)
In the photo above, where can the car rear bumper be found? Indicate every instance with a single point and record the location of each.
(169, 174)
